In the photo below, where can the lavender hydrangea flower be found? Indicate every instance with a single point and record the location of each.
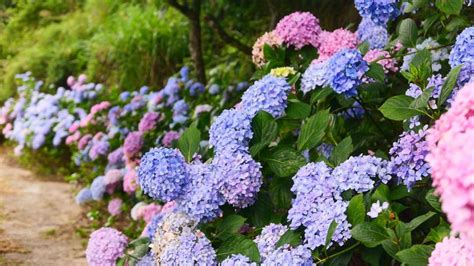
(84, 196)
(379, 11)
(163, 174)
(203, 200)
(268, 94)
(98, 188)
(463, 54)
(375, 35)
(230, 129)
(241, 175)
(214, 89)
(153, 225)
(169, 137)
(148, 122)
(191, 248)
(287, 255)
(325, 150)
(99, 148)
(347, 69)
(105, 246)
(408, 155)
(147, 260)
(133, 143)
(266, 241)
(196, 89)
(238, 260)
(315, 75)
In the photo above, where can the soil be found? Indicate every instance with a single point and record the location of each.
(38, 220)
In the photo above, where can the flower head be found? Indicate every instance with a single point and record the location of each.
(463, 54)
(379, 11)
(299, 29)
(334, 41)
(452, 251)
(347, 68)
(375, 35)
(105, 246)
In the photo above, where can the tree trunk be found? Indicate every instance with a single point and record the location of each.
(195, 46)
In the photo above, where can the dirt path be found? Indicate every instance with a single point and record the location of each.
(37, 220)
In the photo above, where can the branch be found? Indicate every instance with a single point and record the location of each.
(180, 7)
(226, 37)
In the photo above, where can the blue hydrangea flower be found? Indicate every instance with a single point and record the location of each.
(163, 174)
(268, 94)
(84, 196)
(463, 53)
(266, 241)
(230, 130)
(379, 11)
(375, 35)
(214, 89)
(241, 177)
(124, 96)
(325, 150)
(171, 91)
(98, 187)
(196, 89)
(203, 199)
(358, 173)
(242, 86)
(346, 69)
(355, 112)
(407, 158)
(147, 260)
(191, 248)
(287, 255)
(315, 75)
(238, 260)
(153, 225)
(184, 73)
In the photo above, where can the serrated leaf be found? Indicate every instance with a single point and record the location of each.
(312, 131)
(188, 143)
(356, 210)
(290, 237)
(449, 7)
(342, 151)
(370, 234)
(398, 108)
(416, 255)
(285, 161)
(448, 85)
(408, 32)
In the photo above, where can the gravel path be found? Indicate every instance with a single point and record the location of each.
(37, 220)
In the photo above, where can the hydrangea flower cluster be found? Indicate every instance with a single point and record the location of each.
(169, 137)
(314, 76)
(452, 251)
(230, 129)
(379, 11)
(299, 29)
(375, 35)
(383, 58)
(408, 157)
(347, 69)
(148, 122)
(238, 260)
(450, 143)
(462, 54)
(335, 41)
(268, 94)
(105, 246)
(266, 241)
(287, 255)
(437, 55)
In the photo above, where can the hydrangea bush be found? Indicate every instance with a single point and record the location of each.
(348, 147)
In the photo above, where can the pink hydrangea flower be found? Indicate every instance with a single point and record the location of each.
(105, 246)
(133, 144)
(130, 181)
(114, 207)
(452, 252)
(169, 137)
(70, 81)
(74, 127)
(73, 138)
(332, 42)
(112, 179)
(150, 210)
(84, 141)
(8, 127)
(299, 29)
(269, 38)
(383, 58)
(451, 157)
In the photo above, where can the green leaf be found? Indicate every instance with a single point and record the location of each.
(413, 224)
(261, 212)
(364, 47)
(320, 94)
(330, 233)
(391, 247)
(121, 261)
(312, 131)
(449, 84)
(376, 72)
(294, 79)
(239, 245)
(382, 193)
(342, 151)
(290, 237)
(265, 129)
(356, 210)
(230, 225)
(408, 32)
(449, 7)
(280, 192)
(188, 143)
(438, 233)
(284, 161)
(433, 200)
(370, 234)
(398, 108)
(416, 255)
(297, 110)
(399, 192)
(422, 100)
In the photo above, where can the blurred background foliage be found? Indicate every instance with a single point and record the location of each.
(130, 43)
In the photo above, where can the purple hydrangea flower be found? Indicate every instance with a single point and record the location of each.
(133, 143)
(230, 130)
(105, 246)
(375, 35)
(314, 76)
(347, 67)
(191, 248)
(169, 137)
(84, 196)
(98, 188)
(408, 155)
(268, 94)
(379, 11)
(184, 73)
(214, 89)
(196, 89)
(99, 148)
(148, 122)
(287, 255)
(325, 150)
(147, 260)
(163, 174)
(266, 241)
(463, 54)
(241, 177)
(153, 225)
(238, 260)
(116, 157)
